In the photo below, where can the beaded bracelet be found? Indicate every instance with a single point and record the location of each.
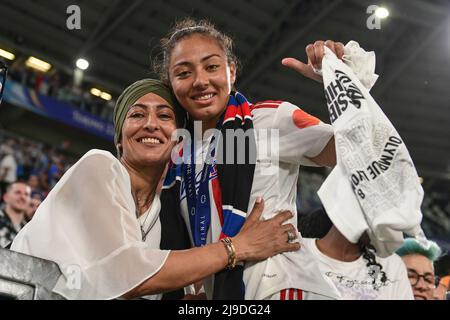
(231, 252)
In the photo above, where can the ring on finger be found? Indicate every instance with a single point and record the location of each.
(291, 236)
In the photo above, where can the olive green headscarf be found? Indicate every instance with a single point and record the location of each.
(137, 90)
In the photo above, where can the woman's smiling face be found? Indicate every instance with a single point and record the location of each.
(147, 131)
(201, 77)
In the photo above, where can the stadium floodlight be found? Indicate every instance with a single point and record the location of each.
(7, 55)
(101, 94)
(382, 12)
(96, 92)
(38, 64)
(82, 64)
(105, 96)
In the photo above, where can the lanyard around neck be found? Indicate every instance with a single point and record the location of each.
(199, 206)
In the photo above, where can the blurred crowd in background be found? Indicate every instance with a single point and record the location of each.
(39, 165)
(61, 86)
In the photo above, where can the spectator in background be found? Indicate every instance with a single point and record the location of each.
(56, 170)
(34, 204)
(35, 185)
(17, 72)
(42, 85)
(442, 289)
(12, 217)
(43, 180)
(76, 96)
(43, 158)
(64, 94)
(440, 292)
(355, 270)
(54, 84)
(8, 166)
(86, 101)
(419, 263)
(19, 156)
(33, 162)
(446, 281)
(58, 85)
(442, 269)
(107, 111)
(30, 77)
(38, 81)
(28, 162)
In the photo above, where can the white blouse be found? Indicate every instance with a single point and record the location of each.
(88, 226)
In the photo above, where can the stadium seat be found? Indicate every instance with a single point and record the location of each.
(24, 277)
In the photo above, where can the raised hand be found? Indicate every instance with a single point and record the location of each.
(315, 53)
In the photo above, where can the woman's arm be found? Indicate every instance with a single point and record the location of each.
(315, 53)
(257, 240)
(183, 268)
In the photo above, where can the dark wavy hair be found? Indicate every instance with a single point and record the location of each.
(186, 28)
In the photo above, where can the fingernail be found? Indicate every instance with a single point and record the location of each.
(258, 200)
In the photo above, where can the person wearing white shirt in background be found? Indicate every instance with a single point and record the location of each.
(8, 166)
(442, 289)
(354, 270)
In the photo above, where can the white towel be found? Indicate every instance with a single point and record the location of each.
(375, 186)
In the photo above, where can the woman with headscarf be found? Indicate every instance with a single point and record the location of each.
(101, 221)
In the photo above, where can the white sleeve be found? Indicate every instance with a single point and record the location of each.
(87, 225)
(301, 136)
(7, 162)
